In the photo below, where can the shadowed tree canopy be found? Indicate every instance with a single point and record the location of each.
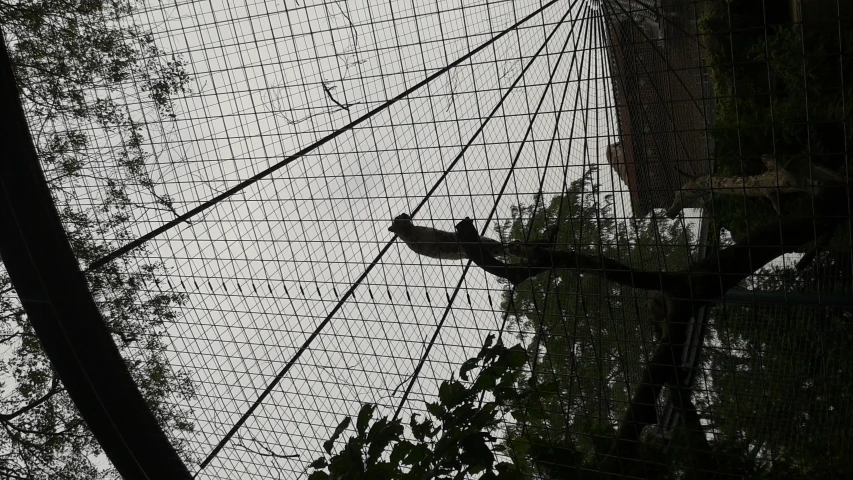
(685, 291)
(592, 336)
(73, 61)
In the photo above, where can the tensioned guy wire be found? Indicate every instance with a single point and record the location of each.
(381, 253)
(521, 145)
(301, 153)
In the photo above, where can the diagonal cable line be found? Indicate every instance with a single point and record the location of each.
(301, 153)
(379, 256)
(510, 172)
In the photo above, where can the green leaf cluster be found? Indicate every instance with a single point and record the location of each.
(781, 89)
(454, 441)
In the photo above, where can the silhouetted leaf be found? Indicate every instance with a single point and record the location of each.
(469, 365)
(364, 416)
(318, 475)
(416, 455)
(381, 437)
(420, 430)
(508, 471)
(399, 452)
(488, 343)
(444, 393)
(484, 416)
(330, 443)
(516, 356)
(349, 460)
(475, 451)
(435, 410)
(485, 381)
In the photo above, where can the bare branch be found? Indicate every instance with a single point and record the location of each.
(770, 184)
(328, 91)
(269, 453)
(54, 389)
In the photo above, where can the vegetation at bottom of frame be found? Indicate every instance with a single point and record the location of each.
(778, 387)
(782, 87)
(89, 77)
(498, 424)
(454, 440)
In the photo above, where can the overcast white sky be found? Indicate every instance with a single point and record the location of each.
(265, 267)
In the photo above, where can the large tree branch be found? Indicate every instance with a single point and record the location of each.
(774, 181)
(642, 410)
(54, 389)
(701, 453)
(707, 279)
(705, 282)
(539, 260)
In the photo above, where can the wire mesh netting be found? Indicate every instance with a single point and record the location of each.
(277, 301)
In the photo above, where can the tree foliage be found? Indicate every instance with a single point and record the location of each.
(780, 89)
(453, 441)
(784, 392)
(89, 77)
(591, 336)
(780, 394)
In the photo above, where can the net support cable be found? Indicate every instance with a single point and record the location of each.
(588, 35)
(521, 146)
(301, 153)
(381, 253)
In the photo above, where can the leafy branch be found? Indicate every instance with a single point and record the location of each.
(684, 292)
(453, 441)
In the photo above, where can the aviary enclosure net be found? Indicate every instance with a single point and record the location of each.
(314, 124)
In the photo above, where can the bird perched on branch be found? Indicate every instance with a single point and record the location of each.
(435, 243)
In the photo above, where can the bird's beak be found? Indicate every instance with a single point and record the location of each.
(390, 229)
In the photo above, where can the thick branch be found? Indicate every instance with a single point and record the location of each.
(642, 411)
(708, 279)
(770, 184)
(543, 259)
(712, 277)
(701, 453)
(54, 389)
